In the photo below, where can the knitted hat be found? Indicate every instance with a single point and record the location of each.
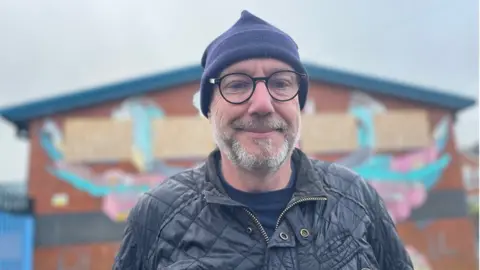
(250, 37)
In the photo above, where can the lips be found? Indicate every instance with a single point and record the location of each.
(257, 130)
(260, 130)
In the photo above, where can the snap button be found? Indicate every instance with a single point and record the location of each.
(365, 268)
(249, 230)
(284, 236)
(304, 233)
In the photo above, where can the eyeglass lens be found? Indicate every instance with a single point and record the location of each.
(282, 85)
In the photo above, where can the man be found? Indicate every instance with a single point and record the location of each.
(258, 202)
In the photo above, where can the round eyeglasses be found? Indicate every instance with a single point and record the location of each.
(237, 88)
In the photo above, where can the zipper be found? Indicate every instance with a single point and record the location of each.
(304, 199)
(259, 225)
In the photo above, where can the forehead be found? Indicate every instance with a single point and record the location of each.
(252, 66)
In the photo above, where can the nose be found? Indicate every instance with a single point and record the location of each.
(261, 101)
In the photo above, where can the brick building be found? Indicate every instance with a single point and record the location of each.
(470, 168)
(92, 152)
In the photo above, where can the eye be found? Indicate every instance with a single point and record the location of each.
(280, 83)
(238, 84)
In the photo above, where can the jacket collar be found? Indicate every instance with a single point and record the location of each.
(309, 180)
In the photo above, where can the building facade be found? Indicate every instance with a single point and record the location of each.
(93, 152)
(470, 172)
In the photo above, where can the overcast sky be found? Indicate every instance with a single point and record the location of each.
(54, 47)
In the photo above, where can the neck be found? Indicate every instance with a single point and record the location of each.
(249, 181)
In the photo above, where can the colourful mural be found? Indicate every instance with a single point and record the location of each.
(119, 189)
(402, 180)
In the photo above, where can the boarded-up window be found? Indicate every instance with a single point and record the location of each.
(97, 139)
(402, 130)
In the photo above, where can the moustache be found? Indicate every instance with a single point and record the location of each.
(255, 124)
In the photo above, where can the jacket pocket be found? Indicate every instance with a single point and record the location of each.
(343, 252)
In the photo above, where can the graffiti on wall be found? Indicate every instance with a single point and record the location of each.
(118, 189)
(402, 180)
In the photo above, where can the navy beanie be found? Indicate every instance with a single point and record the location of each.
(250, 37)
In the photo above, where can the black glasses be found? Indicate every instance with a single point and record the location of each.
(237, 88)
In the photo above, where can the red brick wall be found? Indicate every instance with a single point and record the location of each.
(178, 101)
(42, 185)
(97, 256)
(443, 237)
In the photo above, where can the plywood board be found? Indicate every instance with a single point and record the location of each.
(402, 130)
(182, 137)
(97, 139)
(328, 133)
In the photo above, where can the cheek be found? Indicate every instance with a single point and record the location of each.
(219, 115)
(290, 112)
(224, 112)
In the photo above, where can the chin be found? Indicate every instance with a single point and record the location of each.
(269, 152)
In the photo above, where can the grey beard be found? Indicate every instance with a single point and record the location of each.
(265, 162)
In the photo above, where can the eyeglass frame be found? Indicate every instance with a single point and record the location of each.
(218, 81)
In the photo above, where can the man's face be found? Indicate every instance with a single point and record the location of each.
(261, 133)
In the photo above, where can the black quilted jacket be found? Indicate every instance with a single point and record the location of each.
(334, 221)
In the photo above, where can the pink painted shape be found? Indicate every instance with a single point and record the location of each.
(150, 180)
(401, 198)
(413, 160)
(115, 205)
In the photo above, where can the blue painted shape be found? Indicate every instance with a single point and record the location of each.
(16, 241)
(366, 132)
(142, 133)
(21, 115)
(47, 144)
(428, 174)
(93, 189)
(142, 130)
(442, 131)
(154, 112)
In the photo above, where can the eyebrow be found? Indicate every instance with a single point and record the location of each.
(246, 71)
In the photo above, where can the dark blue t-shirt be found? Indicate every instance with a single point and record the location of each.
(267, 206)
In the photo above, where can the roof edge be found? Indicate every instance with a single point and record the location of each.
(20, 115)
